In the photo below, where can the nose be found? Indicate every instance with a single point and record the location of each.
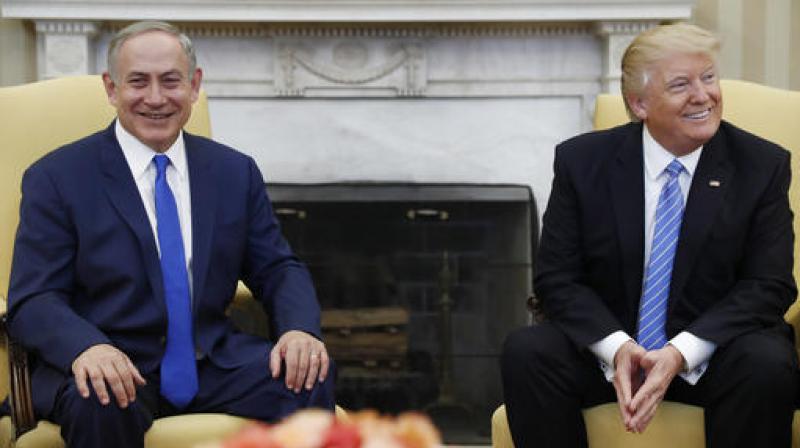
(700, 91)
(154, 96)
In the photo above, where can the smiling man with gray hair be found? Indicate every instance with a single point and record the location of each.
(130, 245)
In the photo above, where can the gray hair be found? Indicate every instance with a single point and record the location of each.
(653, 45)
(137, 28)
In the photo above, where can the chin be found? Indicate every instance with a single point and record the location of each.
(704, 133)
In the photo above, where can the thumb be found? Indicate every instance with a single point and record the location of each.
(275, 361)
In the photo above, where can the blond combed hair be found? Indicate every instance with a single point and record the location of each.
(657, 43)
(138, 28)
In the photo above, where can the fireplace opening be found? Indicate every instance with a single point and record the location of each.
(419, 284)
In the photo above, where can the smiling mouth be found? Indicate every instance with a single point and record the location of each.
(699, 115)
(155, 116)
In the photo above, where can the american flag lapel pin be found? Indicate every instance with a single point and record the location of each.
(713, 183)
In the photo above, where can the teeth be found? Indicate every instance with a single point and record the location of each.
(699, 115)
(155, 116)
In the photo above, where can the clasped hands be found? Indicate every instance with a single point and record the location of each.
(641, 379)
(105, 367)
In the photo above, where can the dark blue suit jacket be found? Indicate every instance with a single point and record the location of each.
(86, 269)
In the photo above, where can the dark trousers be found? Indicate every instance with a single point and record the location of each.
(748, 392)
(248, 391)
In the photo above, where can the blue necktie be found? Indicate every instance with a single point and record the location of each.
(178, 366)
(653, 309)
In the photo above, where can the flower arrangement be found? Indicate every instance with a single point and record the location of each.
(313, 428)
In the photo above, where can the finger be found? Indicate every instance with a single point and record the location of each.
(623, 409)
(314, 361)
(275, 360)
(649, 416)
(290, 360)
(646, 413)
(303, 361)
(646, 404)
(98, 384)
(624, 379)
(137, 376)
(324, 365)
(126, 378)
(114, 381)
(80, 381)
(647, 388)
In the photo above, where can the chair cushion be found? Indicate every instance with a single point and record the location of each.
(675, 425)
(181, 431)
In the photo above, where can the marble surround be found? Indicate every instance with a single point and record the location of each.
(381, 90)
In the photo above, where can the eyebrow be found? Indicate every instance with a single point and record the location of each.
(136, 74)
(685, 76)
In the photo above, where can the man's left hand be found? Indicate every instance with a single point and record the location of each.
(305, 357)
(660, 367)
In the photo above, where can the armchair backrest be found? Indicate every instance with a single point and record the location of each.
(765, 111)
(39, 117)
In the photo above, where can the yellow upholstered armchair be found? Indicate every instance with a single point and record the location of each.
(772, 114)
(37, 118)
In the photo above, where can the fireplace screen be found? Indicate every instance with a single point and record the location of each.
(419, 284)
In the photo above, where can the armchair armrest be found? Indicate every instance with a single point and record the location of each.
(793, 317)
(20, 400)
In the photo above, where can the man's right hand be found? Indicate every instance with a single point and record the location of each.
(104, 364)
(627, 377)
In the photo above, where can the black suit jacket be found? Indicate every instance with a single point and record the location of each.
(733, 266)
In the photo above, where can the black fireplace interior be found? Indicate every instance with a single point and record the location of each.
(419, 284)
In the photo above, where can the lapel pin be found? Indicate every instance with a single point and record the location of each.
(714, 183)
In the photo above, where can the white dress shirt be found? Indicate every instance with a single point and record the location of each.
(140, 160)
(696, 352)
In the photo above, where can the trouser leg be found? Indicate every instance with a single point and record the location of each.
(749, 390)
(85, 423)
(250, 391)
(546, 383)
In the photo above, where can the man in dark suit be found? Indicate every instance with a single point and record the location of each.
(130, 245)
(665, 266)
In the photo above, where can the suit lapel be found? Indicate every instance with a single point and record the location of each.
(125, 198)
(202, 183)
(710, 182)
(627, 196)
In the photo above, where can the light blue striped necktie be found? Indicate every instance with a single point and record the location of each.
(653, 308)
(178, 366)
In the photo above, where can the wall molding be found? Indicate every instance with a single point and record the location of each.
(351, 10)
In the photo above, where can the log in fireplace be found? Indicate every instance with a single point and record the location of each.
(419, 284)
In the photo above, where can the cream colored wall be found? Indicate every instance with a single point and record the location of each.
(794, 48)
(17, 52)
(761, 39)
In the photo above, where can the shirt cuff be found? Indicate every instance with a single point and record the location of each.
(605, 349)
(696, 352)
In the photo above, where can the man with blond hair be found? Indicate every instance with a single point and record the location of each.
(665, 266)
(130, 245)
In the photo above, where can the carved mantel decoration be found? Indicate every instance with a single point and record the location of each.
(342, 60)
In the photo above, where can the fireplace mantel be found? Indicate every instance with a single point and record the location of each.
(351, 10)
(412, 91)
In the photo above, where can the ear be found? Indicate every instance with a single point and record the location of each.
(637, 104)
(196, 81)
(111, 89)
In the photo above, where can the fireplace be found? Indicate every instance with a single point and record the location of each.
(419, 284)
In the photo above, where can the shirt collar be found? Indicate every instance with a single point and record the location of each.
(656, 157)
(140, 156)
